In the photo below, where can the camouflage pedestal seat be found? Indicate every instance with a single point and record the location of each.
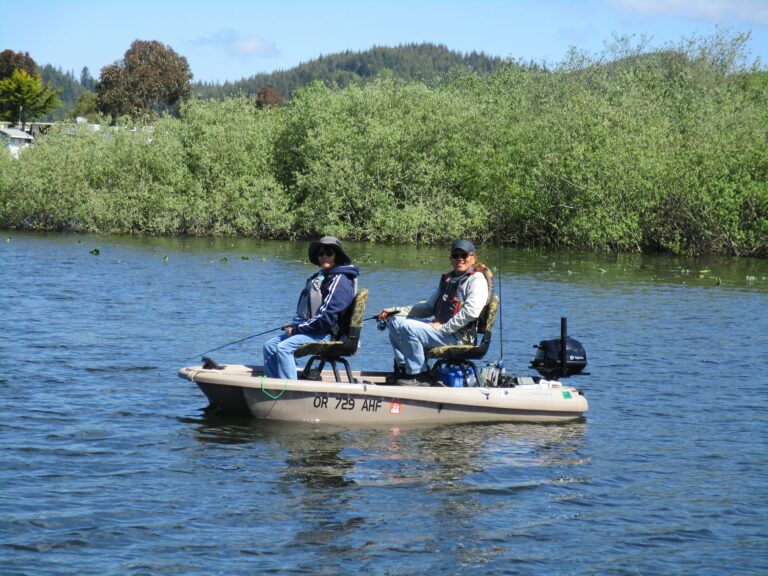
(333, 351)
(462, 355)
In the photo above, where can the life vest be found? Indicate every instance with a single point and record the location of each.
(311, 297)
(450, 301)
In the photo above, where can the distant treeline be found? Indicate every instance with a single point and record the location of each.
(422, 62)
(414, 62)
(71, 88)
(634, 151)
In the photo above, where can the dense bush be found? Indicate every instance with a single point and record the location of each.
(632, 150)
(372, 163)
(207, 173)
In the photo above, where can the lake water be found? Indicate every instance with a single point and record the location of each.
(111, 466)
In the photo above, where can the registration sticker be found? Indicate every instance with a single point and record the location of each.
(394, 408)
(567, 394)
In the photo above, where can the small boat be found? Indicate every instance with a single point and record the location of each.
(461, 393)
(244, 390)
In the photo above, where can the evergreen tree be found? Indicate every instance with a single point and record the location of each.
(25, 97)
(69, 88)
(422, 62)
(86, 80)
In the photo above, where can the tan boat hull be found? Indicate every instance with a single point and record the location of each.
(244, 390)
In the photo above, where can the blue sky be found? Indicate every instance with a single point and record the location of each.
(234, 39)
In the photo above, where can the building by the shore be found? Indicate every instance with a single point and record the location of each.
(15, 139)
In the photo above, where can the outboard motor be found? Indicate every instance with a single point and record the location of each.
(559, 357)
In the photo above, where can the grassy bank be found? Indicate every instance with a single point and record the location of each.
(629, 151)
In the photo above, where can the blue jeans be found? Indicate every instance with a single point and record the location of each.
(409, 337)
(279, 361)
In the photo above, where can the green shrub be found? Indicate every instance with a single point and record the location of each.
(631, 150)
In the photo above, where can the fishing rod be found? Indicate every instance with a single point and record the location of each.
(262, 334)
(498, 284)
(237, 341)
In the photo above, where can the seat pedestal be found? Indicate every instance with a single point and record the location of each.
(315, 373)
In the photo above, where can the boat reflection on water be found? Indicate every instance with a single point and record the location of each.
(329, 456)
(437, 489)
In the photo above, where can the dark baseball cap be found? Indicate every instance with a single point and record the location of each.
(464, 245)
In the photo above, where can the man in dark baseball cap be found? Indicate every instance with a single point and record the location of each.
(447, 318)
(464, 245)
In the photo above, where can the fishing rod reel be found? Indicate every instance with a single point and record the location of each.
(381, 323)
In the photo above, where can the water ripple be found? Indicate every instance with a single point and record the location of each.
(111, 465)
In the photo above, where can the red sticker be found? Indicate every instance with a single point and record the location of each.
(394, 408)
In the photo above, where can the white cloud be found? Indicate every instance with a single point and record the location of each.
(253, 45)
(236, 44)
(753, 12)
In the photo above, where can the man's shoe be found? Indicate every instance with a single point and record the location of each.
(420, 379)
(398, 373)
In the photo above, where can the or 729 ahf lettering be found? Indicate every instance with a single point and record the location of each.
(348, 403)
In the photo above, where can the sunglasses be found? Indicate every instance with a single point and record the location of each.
(459, 255)
(326, 252)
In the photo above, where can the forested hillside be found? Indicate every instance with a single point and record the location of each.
(71, 88)
(417, 62)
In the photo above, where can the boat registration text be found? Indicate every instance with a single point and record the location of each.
(347, 403)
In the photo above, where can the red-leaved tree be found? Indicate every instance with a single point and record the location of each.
(151, 78)
(10, 61)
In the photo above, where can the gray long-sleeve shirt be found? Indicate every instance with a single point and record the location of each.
(474, 294)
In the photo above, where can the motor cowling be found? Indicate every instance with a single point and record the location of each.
(549, 358)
